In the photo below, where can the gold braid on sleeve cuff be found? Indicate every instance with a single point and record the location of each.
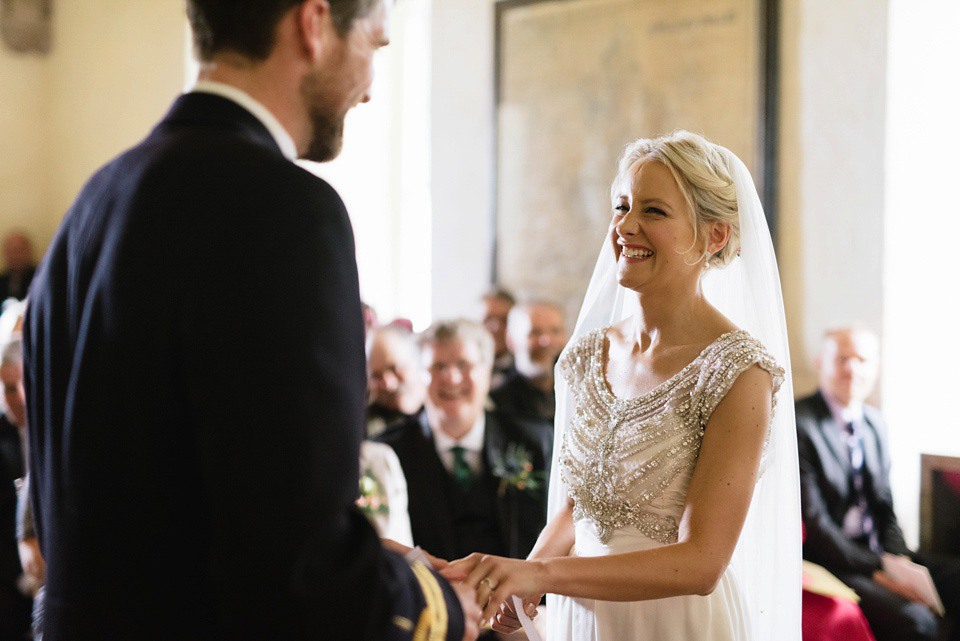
(432, 625)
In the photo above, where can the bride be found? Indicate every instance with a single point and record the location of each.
(676, 505)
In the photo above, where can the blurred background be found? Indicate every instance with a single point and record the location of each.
(867, 151)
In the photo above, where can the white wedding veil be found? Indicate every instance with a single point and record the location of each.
(747, 291)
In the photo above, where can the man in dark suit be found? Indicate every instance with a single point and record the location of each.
(194, 467)
(851, 528)
(474, 479)
(536, 334)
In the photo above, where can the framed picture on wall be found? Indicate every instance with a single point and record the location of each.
(25, 25)
(576, 80)
(939, 504)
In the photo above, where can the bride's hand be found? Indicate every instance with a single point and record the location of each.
(496, 579)
(507, 621)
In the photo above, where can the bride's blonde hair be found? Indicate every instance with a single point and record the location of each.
(700, 169)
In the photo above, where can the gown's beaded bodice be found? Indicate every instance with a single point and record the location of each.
(627, 462)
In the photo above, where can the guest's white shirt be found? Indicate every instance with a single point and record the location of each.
(472, 443)
(261, 113)
(844, 415)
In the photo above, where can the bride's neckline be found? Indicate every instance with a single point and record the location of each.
(601, 368)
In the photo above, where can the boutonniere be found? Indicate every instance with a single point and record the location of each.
(373, 498)
(514, 468)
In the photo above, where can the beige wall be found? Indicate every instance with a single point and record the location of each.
(114, 68)
(23, 108)
(461, 153)
(831, 178)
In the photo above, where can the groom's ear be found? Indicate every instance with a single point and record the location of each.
(315, 26)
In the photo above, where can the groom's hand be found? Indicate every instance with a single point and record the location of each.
(471, 611)
(435, 562)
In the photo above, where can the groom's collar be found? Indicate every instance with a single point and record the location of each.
(261, 113)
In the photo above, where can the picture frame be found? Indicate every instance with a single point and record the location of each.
(939, 504)
(576, 80)
(26, 25)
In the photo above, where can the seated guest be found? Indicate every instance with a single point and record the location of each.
(536, 333)
(383, 492)
(496, 306)
(370, 320)
(13, 420)
(34, 575)
(14, 605)
(394, 383)
(851, 528)
(19, 266)
(472, 476)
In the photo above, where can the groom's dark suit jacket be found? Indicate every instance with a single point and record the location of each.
(825, 488)
(493, 517)
(195, 377)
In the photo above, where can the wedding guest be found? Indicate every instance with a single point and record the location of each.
(851, 527)
(370, 320)
(19, 266)
(496, 306)
(193, 474)
(31, 560)
(474, 479)
(536, 334)
(15, 606)
(395, 386)
(13, 419)
(383, 492)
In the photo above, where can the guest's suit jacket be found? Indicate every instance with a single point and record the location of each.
(193, 456)
(529, 407)
(517, 516)
(825, 488)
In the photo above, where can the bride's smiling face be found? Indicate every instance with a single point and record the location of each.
(651, 230)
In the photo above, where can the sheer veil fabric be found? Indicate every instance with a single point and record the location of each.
(747, 291)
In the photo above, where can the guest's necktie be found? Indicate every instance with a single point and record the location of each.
(858, 492)
(462, 473)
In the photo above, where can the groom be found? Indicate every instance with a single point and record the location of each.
(179, 492)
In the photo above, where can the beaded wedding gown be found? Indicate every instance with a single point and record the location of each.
(627, 464)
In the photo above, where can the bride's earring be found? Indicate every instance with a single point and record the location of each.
(706, 261)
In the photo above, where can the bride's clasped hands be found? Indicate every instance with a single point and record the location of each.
(496, 579)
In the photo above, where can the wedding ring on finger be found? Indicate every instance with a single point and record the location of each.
(489, 583)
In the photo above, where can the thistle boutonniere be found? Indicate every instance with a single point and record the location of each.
(514, 468)
(373, 498)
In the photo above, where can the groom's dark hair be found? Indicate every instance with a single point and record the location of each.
(248, 27)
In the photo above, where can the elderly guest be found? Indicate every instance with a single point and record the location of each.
(395, 385)
(847, 503)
